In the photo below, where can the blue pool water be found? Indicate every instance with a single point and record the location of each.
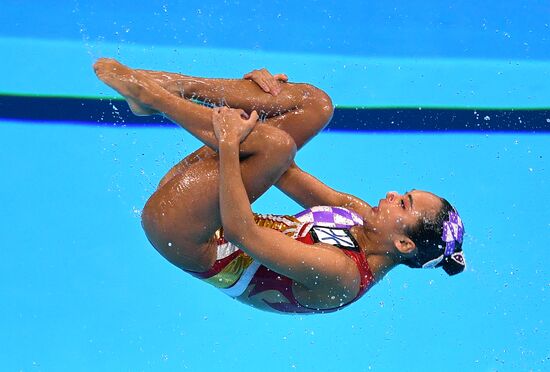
(81, 287)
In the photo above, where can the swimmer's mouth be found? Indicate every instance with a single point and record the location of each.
(375, 209)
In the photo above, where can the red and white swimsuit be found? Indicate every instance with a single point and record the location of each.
(234, 271)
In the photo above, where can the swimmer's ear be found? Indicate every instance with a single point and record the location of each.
(404, 245)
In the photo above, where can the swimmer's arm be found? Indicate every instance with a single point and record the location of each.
(308, 191)
(317, 267)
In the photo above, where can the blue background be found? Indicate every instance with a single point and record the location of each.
(394, 28)
(81, 287)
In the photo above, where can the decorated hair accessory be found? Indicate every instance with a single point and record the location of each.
(453, 231)
(451, 259)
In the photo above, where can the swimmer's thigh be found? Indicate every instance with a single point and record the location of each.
(181, 217)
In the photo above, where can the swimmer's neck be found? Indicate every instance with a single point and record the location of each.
(380, 258)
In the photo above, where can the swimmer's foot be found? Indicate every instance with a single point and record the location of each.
(174, 83)
(129, 83)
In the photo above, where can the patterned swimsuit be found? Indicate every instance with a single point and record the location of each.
(234, 271)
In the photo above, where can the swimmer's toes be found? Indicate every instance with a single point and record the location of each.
(101, 66)
(108, 67)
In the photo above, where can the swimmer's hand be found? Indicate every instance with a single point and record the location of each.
(232, 125)
(268, 82)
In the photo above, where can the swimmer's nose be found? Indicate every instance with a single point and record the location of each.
(390, 196)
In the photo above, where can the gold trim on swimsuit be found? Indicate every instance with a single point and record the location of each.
(231, 273)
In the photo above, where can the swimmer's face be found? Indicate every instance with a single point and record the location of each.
(397, 212)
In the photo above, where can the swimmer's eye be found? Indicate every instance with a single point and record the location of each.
(403, 203)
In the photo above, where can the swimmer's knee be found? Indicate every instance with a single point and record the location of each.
(153, 219)
(287, 146)
(326, 106)
(180, 251)
(155, 225)
(277, 141)
(319, 104)
(149, 219)
(164, 180)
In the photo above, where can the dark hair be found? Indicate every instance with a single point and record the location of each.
(427, 235)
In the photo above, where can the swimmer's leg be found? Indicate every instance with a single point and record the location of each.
(301, 110)
(242, 93)
(138, 87)
(308, 110)
(181, 217)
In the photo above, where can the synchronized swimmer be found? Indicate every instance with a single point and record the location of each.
(317, 261)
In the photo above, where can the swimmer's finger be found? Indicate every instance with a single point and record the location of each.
(215, 113)
(246, 125)
(256, 76)
(264, 84)
(244, 115)
(271, 82)
(264, 79)
(252, 74)
(281, 77)
(253, 117)
(273, 86)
